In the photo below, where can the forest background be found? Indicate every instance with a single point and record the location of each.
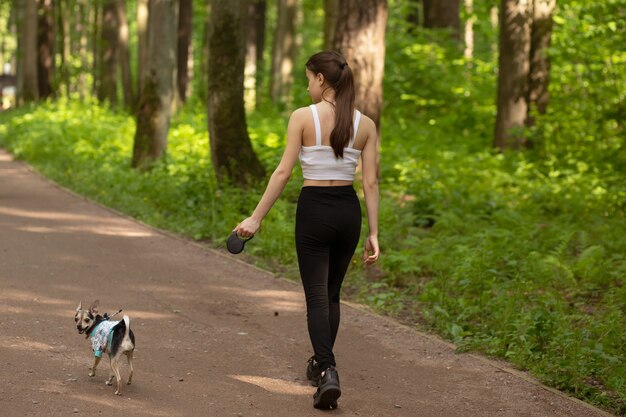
(503, 193)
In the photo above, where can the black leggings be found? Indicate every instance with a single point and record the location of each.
(328, 225)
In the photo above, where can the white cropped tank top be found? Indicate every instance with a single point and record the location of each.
(320, 163)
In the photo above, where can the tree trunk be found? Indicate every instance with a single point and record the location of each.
(142, 43)
(284, 52)
(153, 116)
(494, 18)
(3, 43)
(330, 22)
(515, 18)
(260, 14)
(19, 10)
(60, 16)
(81, 28)
(256, 23)
(185, 26)
(204, 57)
(30, 87)
(45, 48)
(360, 37)
(96, 44)
(442, 14)
(10, 58)
(231, 151)
(469, 29)
(539, 75)
(107, 88)
(67, 52)
(124, 54)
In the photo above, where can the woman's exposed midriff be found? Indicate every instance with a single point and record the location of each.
(326, 183)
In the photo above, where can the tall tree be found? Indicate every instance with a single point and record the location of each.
(201, 82)
(442, 14)
(254, 51)
(28, 51)
(469, 29)
(3, 42)
(360, 37)
(143, 13)
(539, 72)
(184, 50)
(284, 51)
(260, 16)
(65, 18)
(124, 54)
(153, 115)
(9, 55)
(107, 87)
(18, 9)
(96, 45)
(330, 22)
(494, 19)
(82, 34)
(231, 151)
(515, 20)
(45, 48)
(524, 68)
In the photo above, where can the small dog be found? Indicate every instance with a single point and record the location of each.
(113, 337)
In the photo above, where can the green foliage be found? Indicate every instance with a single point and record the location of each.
(588, 94)
(518, 255)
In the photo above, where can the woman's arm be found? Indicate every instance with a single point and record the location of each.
(279, 178)
(369, 158)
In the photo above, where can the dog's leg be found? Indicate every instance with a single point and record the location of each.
(129, 356)
(115, 366)
(92, 371)
(109, 381)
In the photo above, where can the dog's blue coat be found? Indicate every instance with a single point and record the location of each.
(102, 336)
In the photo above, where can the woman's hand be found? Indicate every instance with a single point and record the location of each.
(248, 227)
(371, 247)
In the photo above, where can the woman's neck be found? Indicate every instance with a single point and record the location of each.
(328, 102)
(328, 96)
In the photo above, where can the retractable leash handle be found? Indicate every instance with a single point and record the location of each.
(235, 244)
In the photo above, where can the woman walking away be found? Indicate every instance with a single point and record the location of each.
(329, 137)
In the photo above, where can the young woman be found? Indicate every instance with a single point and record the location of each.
(328, 137)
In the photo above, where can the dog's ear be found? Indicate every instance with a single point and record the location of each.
(94, 307)
(80, 307)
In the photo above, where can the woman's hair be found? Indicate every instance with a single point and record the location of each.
(338, 75)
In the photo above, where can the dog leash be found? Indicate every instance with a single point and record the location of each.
(107, 317)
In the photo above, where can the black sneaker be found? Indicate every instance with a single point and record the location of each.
(328, 390)
(313, 371)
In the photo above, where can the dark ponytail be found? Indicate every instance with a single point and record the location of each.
(338, 76)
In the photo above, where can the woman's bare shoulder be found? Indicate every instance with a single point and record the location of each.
(367, 124)
(299, 115)
(301, 111)
(298, 118)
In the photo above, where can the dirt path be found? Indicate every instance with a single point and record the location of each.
(215, 337)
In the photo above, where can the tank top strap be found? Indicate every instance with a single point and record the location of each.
(318, 128)
(357, 119)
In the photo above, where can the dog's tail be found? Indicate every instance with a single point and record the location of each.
(126, 325)
(127, 343)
